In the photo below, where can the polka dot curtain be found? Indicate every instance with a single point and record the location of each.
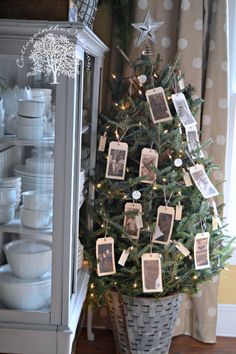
(197, 30)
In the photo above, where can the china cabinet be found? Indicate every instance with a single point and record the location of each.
(51, 154)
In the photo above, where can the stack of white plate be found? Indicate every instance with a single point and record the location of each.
(32, 181)
(80, 253)
(13, 182)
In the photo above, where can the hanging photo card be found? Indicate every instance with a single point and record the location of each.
(116, 161)
(202, 181)
(151, 273)
(182, 109)
(105, 256)
(131, 222)
(158, 105)
(148, 163)
(201, 250)
(193, 141)
(164, 225)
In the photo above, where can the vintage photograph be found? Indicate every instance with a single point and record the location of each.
(130, 220)
(203, 182)
(116, 162)
(182, 109)
(201, 251)
(105, 256)
(148, 164)
(158, 105)
(151, 273)
(193, 141)
(164, 225)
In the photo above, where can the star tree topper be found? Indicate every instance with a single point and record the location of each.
(147, 29)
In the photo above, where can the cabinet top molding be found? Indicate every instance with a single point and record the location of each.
(27, 28)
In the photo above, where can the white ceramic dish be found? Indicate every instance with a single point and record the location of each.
(29, 120)
(36, 219)
(37, 200)
(40, 165)
(29, 259)
(21, 170)
(30, 108)
(29, 132)
(7, 213)
(24, 294)
(7, 195)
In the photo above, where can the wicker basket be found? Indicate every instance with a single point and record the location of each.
(86, 11)
(143, 325)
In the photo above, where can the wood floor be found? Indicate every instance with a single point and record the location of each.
(104, 344)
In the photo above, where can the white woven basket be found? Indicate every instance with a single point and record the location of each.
(143, 325)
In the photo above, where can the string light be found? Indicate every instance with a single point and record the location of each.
(140, 92)
(117, 135)
(164, 180)
(99, 185)
(122, 107)
(116, 104)
(135, 285)
(92, 295)
(92, 286)
(227, 269)
(155, 75)
(166, 131)
(140, 123)
(195, 277)
(102, 226)
(176, 278)
(114, 76)
(170, 157)
(125, 196)
(154, 187)
(127, 169)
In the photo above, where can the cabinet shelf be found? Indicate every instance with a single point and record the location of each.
(15, 226)
(12, 140)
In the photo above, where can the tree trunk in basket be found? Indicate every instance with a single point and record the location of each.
(143, 325)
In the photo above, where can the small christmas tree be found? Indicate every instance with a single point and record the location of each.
(157, 230)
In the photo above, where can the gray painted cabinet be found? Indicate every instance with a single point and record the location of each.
(68, 144)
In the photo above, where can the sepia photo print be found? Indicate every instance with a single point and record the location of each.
(105, 256)
(158, 105)
(151, 273)
(148, 165)
(201, 250)
(182, 109)
(164, 225)
(116, 161)
(130, 221)
(202, 181)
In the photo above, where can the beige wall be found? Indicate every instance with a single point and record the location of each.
(227, 290)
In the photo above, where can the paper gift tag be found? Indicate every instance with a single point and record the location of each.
(201, 250)
(187, 178)
(148, 164)
(164, 225)
(130, 222)
(178, 212)
(181, 248)
(158, 105)
(105, 256)
(102, 142)
(202, 181)
(123, 257)
(116, 161)
(151, 273)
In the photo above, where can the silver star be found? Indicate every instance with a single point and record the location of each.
(147, 29)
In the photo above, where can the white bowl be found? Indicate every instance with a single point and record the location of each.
(29, 120)
(7, 213)
(37, 200)
(29, 259)
(29, 132)
(24, 294)
(36, 219)
(11, 181)
(30, 108)
(7, 195)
